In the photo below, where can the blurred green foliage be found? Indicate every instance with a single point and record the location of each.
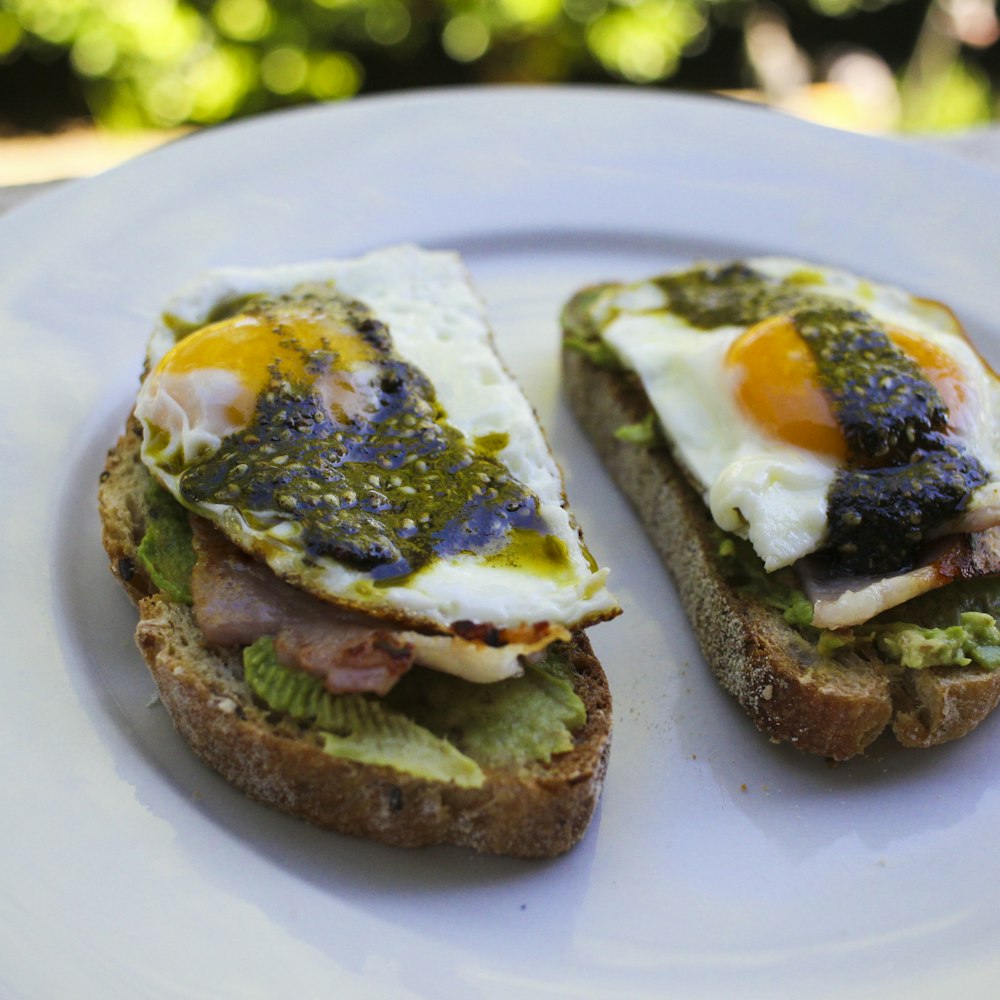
(141, 63)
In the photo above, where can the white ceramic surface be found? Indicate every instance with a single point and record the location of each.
(718, 865)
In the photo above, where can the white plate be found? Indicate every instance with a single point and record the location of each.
(718, 865)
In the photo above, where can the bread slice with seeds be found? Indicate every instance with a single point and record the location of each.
(533, 810)
(833, 703)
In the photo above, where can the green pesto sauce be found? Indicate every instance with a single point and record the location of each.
(180, 328)
(491, 444)
(733, 295)
(581, 330)
(880, 398)
(321, 297)
(543, 555)
(386, 494)
(878, 518)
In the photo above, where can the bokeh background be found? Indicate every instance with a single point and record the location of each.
(114, 76)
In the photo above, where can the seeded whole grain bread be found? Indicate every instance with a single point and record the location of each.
(835, 707)
(539, 811)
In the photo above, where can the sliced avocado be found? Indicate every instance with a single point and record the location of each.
(166, 551)
(355, 726)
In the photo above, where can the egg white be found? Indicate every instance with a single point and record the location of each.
(758, 487)
(438, 324)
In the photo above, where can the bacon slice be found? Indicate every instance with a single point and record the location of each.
(237, 600)
(845, 601)
(345, 656)
(535, 635)
(980, 513)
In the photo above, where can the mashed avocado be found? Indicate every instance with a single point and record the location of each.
(947, 627)
(431, 725)
(975, 639)
(353, 726)
(165, 551)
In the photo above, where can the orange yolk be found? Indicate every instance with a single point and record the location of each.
(251, 345)
(777, 383)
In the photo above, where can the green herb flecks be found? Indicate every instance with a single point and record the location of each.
(644, 433)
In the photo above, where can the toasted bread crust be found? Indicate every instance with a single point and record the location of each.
(539, 811)
(832, 707)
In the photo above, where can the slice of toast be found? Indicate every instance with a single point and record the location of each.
(833, 705)
(539, 810)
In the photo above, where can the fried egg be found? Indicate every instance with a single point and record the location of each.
(743, 407)
(350, 423)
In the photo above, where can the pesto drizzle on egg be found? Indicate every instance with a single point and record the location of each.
(903, 475)
(882, 401)
(732, 295)
(386, 491)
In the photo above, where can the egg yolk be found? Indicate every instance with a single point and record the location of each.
(777, 383)
(288, 341)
